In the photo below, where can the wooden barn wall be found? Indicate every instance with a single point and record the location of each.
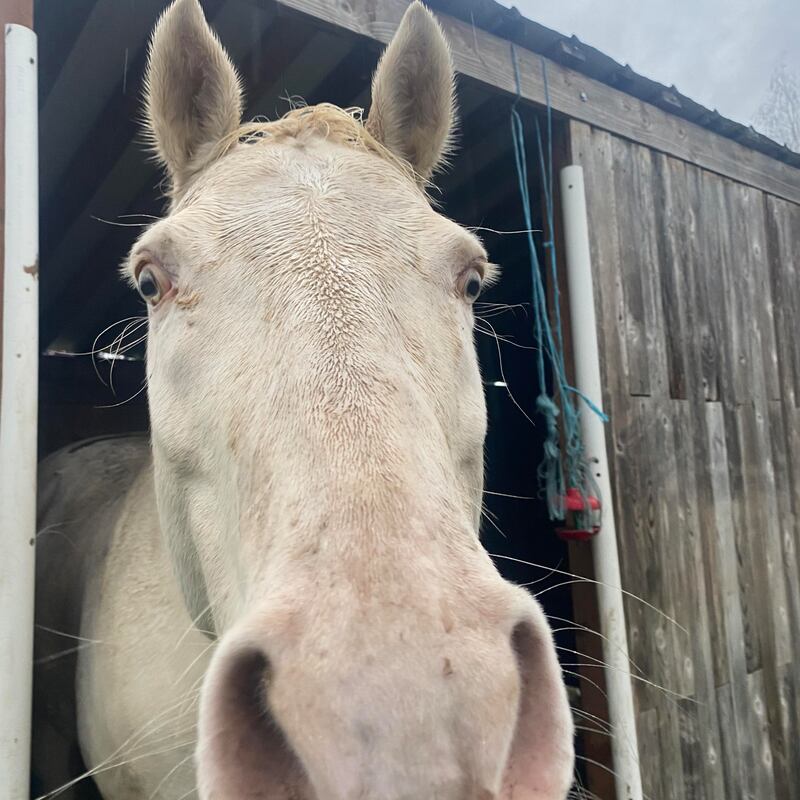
(698, 301)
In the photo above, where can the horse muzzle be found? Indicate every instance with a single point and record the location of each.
(387, 706)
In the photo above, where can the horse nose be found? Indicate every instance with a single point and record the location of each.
(456, 712)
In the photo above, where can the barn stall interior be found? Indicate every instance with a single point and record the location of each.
(695, 235)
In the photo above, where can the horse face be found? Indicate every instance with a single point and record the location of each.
(317, 423)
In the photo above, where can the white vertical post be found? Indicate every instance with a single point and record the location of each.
(18, 410)
(604, 546)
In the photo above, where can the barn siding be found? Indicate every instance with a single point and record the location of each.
(697, 292)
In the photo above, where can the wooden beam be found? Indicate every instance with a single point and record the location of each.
(114, 36)
(488, 58)
(320, 54)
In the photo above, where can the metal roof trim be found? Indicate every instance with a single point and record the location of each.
(511, 24)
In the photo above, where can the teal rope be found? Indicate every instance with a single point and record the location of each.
(555, 473)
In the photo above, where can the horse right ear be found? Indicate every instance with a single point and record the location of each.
(193, 96)
(413, 97)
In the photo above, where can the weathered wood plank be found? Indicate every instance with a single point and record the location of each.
(690, 279)
(764, 534)
(646, 350)
(747, 776)
(630, 266)
(750, 320)
(736, 290)
(701, 708)
(763, 310)
(675, 252)
(709, 479)
(641, 573)
(636, 561)
(789, 488)
(647, 725)
(762, 778)
(647, 239)
(745, 568)
(653, 469)
(787, 514)
(782, 563)
(783, 246)
(488, 58)
(733, 759)
(706, 216)
(691, 751)
(733, 702)
(669, 735)
(674, 645)
(791, 482)
(790, 723)
(765, 574)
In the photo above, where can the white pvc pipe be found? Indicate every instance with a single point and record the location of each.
(18, 411)
(624, 744)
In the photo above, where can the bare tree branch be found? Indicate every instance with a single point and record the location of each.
(779, 115)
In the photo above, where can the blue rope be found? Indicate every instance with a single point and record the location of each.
(555, 473)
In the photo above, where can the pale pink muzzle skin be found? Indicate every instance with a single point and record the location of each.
(457, 715)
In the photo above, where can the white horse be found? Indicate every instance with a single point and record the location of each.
(283, 595)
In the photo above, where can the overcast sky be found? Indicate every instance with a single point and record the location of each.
(720, 53)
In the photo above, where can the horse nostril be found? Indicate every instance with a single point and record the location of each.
(242, 751)
(244, 692)
(541, 759)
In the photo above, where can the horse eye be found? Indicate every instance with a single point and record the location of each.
(471, 285)
(150, 287)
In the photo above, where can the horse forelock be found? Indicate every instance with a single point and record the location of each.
(344, 126)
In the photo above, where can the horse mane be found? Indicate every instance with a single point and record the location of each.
(342, 125)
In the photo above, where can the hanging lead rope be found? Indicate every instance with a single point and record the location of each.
(568, 481)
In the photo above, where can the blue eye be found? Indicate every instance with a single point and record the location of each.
(148, 288)
(152, 285)
(471, 285)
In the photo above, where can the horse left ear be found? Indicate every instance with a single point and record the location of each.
(192, 92)
(413, 93)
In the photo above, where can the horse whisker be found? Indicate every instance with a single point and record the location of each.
(68, 635)
(170, 774)
(122, 403)
(597, 583)
(503, 376)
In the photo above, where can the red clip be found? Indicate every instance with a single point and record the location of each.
(582, 518)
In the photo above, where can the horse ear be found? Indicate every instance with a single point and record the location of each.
(413, 104)
(192, 91)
